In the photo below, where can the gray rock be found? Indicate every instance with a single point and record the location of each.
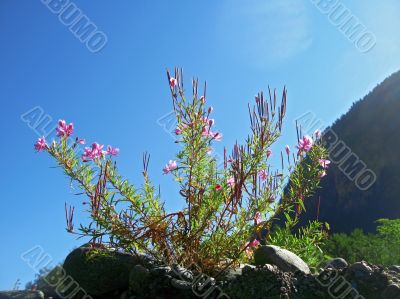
(284, 259)
(231, 274)
(391, 292)
(138, 279)
(182, 273)
(22, 295)
(395, 268)
(337, 263)
(100, 271)
(161, 270)
(181, 284)
(360, 269)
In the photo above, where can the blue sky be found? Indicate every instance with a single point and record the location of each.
(116, 96)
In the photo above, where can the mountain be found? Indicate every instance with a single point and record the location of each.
(371, 131)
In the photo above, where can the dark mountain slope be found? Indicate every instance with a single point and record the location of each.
(371, 129)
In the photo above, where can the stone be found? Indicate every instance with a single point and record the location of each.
(284, 259)
(22, 295)
(181, 284)
(138, 279)
(360, 269)
(232, 273)
(337, 263)
(259, 283)
(99, 271)
(395, 268)
(161, 270)
(181, 273)
(391, 292)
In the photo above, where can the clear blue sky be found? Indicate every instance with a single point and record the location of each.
(116, 95)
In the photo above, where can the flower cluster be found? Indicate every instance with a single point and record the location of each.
(41, 144)
(305, 144)
(324, 163)
(170, 167)
(64, 131)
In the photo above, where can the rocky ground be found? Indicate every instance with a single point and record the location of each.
(278, 273)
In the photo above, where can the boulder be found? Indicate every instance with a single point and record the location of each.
(284, 259)
(391, 292)
(395, 268)
(22, 295)
(360, 269)
(100, 271)
(337, 263)
(260, 282)
(181, 284)
(232, 273)
(138, 279)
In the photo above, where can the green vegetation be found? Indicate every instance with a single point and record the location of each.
(383, 247)
(306, 243)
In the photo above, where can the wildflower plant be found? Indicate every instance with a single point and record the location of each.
(224, 205)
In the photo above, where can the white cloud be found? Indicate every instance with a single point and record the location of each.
(263, 33)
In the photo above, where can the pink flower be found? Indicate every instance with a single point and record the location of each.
(305, 144)
(218, 187)
(231, 181)
(210, 110)
(170, 166)
(93, 152)
(41, 144)
(324, 163)
(112, 151)
(173, 82)
(206, 132)
(178, 131)
(64, 130)
(269, 153)
(216, 136)
(257, 218)
(80, 141)
(317, 133)
(230, 160)
(322, 174)
(211, 122)
(250, 245)
(263, 174)
(287, 149)
(209, 151)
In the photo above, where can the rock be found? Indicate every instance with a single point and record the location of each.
(181, 284)
(99, 271)
(360, 269)
(138, 279)
(181, 273)
(161, 270)
(231, 274)
(284, 259)
(395, 268)
(337, 263)
(259, 283)
(124, 295)
(22, 295)
(391, 292)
